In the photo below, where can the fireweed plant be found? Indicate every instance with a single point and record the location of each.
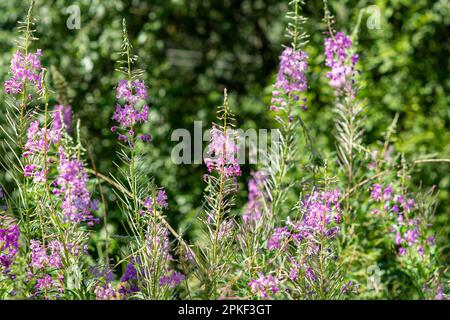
(50, 207)
(353, 225)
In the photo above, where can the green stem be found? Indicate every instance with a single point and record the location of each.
(219, 208)
(22, 108)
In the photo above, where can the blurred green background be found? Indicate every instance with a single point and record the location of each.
(191, 49)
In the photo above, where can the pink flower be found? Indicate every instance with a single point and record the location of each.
(263, 285)
(337, 57)
(291, 78)
(222, 152)
(24, 69)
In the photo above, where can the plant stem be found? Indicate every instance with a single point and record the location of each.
(219, 200)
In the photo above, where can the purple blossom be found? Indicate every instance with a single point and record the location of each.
(222, 154)
(145, 137)
(440, 293)
(408, 205)
(160, 202)
(398, 238)
(263, 285)
(29, 170)
(337, 57)
(321, 213)
(44, 284)
(411, 236)
(129, 281)
(388, 192)
(72, 182)
(102, 272)
(310, 274)
(158, 241)
(189, 254)
(277, 239)
(39, 139)
(348, 287)
(293, 274)
(376, 192)
(9, 245)
(105, 292)
(398, 198)
(402, 251)
(421, 250)
(38, 144)
(95, 204)
(172, 279)
(128, 116)
(158, 249)
(148, 204)
(133, 93)
(253, 213)
(161, 198)
(291, 79)
(66, 113)
(24, 69)
(395, 208)
(49, 256)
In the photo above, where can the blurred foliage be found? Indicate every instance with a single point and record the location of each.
(190, 50)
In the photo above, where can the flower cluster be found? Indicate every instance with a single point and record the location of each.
(50, 256)
(62, 116)
(172, 279)
(42, 257)
(279, 238)
(157, 241)
(222, 152)
(407, 231)
(255, 202)
(129, 281)
(44, 284)
(72, 186)
(322, 214)
(262, 285)
(38, 144)
(24, 68)
(105, 292)
(158, 249)
(133, 93)
(9, 245)
(341, 62)
(48, 286)
(291, 79)
(46, 259)
(39, 139)
(159, 203)
(313, 235)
